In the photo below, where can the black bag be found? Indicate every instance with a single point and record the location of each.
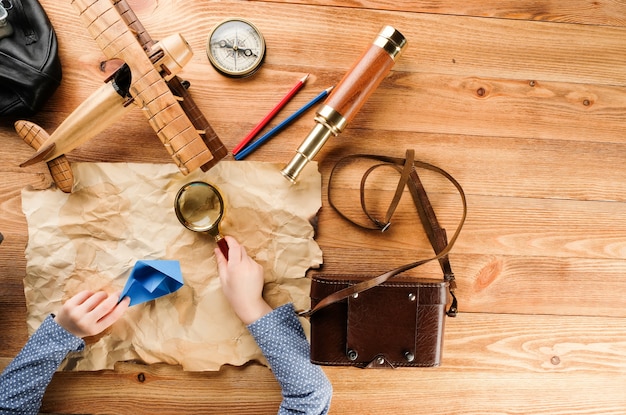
(30, 70)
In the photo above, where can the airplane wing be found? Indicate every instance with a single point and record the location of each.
(148, 89)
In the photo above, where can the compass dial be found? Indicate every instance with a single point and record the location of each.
(236, 48)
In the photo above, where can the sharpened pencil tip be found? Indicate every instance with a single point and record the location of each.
(304, 78)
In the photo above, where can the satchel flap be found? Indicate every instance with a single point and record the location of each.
(382, 322)
(382, 326)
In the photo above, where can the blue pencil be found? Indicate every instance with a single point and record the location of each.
(271, 133)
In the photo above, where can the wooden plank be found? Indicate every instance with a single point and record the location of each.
(438, 43)
(13, 322)
(488, 166)
(524, 364)
(504, 284)
(603, 12)
(457, 393)
(442, 44)
(485, 166)
(406, 105)
(496, 225)
(518, 255)
(497, 108)
(481, 94)
(504, 162)
(400, 392)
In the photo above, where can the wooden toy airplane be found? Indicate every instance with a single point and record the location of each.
(147, 79)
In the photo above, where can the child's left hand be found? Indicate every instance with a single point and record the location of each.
(87, 314)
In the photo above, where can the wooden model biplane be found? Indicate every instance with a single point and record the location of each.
(147, 78)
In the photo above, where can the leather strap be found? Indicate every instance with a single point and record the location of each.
(436, 234)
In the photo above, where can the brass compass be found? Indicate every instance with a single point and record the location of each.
(236, 48)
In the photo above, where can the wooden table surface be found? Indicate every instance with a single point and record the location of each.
(524, 102)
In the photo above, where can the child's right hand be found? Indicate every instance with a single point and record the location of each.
(87, 314)
(242, 282)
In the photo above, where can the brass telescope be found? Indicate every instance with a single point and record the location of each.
(348, 97)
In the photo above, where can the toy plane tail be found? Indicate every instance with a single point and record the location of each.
(59, 167)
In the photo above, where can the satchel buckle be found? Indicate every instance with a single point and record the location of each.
(6, 29)
(380, 362)
(4, 15)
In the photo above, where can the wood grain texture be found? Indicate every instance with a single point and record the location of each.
(523, 102)
(604, 12)
(516, 364)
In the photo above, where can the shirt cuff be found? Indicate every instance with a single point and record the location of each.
(272, 319)
(53, 331)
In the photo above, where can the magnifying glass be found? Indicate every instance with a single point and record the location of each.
(199, 207)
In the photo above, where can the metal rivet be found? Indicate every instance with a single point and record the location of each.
(352, 354)
(409, 356)
(380, 360)
(355, 295)
(412, 297)
(4, 15)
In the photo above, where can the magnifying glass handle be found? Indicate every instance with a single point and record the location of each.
(223, 245)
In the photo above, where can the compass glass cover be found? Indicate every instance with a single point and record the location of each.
(236, 48)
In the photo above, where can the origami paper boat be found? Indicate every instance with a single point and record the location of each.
(151, 279)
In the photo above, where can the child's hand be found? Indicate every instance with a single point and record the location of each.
(87, 314)
(242, 282)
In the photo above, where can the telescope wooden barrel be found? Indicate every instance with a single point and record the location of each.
(362, 79)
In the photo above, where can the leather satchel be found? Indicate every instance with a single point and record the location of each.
(390, 320)
(30, 70)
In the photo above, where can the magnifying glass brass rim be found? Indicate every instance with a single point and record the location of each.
(213, 227)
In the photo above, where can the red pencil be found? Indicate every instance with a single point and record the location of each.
(271, 115)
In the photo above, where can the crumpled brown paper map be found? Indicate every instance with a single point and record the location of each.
(119, 213)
